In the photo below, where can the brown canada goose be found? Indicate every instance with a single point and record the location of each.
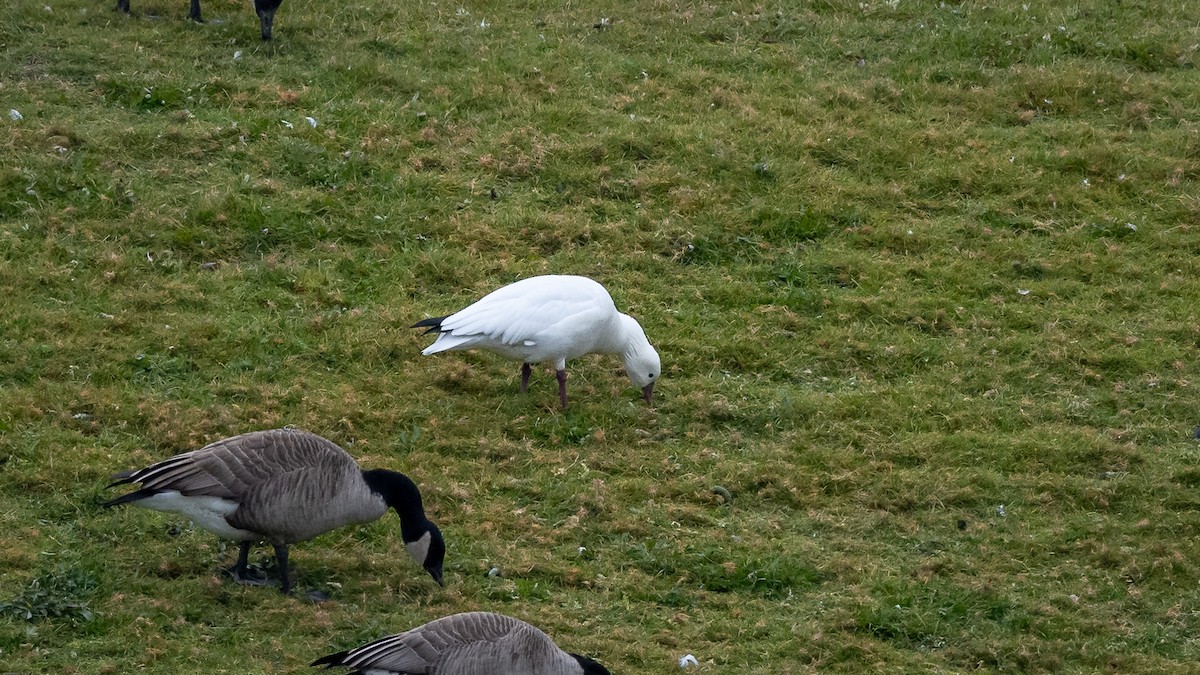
(283, 486)
(474, 643)
(549, 319)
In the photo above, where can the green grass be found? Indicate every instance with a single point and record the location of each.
(924, 278)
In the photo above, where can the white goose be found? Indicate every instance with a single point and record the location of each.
(473, 643)
(284, 486)
(549, 319)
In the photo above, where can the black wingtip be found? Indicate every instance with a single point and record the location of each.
(131, 497)
(122, 478)
(331, 660)
(432, 324)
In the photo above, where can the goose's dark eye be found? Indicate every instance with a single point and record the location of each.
(651, 376)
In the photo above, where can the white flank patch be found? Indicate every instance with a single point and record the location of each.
(420, 548)
(207, 512)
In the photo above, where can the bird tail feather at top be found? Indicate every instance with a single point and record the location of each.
(134, 496)
(432, 324)
(331, 660)
(122, 477)
(339, 659)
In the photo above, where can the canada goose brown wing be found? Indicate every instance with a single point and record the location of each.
(233, 468)
(427, 648)
(303, 503)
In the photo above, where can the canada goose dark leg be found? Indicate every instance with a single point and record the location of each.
(266, 15)
(562, 387)
(123, 6)
(525, 370)
(281, 555)
(194, 12)
(241, 569)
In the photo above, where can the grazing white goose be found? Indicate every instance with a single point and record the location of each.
(283, 486)
(474, 643)
(549, 319)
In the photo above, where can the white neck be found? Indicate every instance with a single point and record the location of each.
(627, 338)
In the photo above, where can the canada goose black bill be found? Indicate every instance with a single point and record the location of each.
(282, 486)
(474, 643)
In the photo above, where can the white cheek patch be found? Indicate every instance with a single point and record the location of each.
(420, 548)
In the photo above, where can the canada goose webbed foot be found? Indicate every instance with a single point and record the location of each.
(250, 577)
(243, 573)
(316, 597)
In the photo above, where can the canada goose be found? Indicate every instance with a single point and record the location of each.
(283, 486)
(549, 319)
(474, 643)
(264, 8)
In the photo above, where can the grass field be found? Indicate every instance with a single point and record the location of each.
(925, 278)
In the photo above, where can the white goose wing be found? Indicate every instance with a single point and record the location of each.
(522, 313)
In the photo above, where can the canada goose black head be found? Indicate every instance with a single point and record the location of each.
(266, 15)
(589, 666)
(422, 538)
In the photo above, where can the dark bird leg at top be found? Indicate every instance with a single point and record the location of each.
(562, 387)
(525, 370)
(241, 570)
(194, 12)
(123, 6)
(265, 9)
(281, 557)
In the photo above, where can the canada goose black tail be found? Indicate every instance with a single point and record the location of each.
(432, 324)
(339, 659)
(131, 497)
(122, 478)
(331, 660)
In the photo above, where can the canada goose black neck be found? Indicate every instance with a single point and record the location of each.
(266, 15)
(400, 493)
